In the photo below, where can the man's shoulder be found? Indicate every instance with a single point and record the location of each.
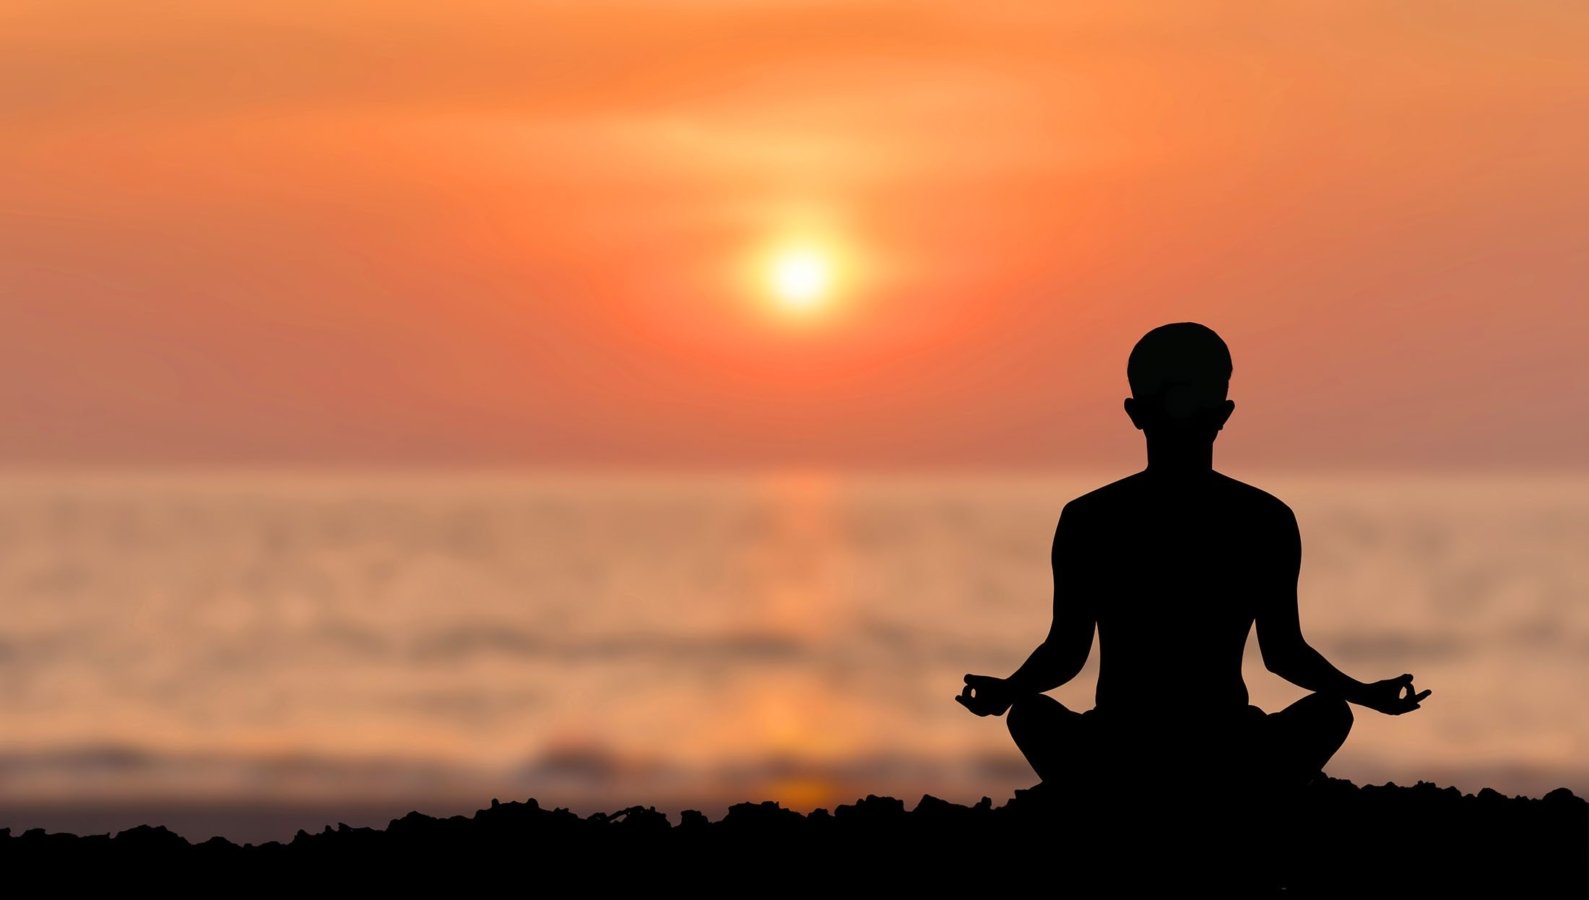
(1255, 499)
(1125, 492)
(1104, 498)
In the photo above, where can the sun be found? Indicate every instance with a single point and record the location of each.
(801, 277)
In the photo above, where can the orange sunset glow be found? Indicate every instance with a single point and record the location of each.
(393, 221)
(802, 277)
(666, 402)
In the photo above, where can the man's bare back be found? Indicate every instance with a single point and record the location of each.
(1174, 571)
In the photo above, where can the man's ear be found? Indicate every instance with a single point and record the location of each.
(1225, 411)
(1131, 410)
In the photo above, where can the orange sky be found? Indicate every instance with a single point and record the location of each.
(518, 232)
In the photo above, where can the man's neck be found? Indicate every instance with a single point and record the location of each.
(1180, 461)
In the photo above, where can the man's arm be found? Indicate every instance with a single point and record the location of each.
(1288, 655)
(1063, 652)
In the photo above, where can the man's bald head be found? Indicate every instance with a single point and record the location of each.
(1182, 369)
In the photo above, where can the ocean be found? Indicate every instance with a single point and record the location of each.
(248, 653)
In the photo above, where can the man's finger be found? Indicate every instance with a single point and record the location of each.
(1420, 697)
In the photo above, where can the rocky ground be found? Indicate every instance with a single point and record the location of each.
(1329, 839)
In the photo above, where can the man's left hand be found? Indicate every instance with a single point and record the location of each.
(985, 695)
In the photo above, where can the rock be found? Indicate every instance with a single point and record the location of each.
(1436, 840)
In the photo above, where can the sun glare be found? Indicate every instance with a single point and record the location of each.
(801, 278)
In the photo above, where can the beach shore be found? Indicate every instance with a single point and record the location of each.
(1332, 838)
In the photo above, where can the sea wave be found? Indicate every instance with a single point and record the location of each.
(233, 636)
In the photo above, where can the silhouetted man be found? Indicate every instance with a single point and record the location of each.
(1173, 566)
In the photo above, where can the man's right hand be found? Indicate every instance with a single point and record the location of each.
(986, 695)
(1393, 696)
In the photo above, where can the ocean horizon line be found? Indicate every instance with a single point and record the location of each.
(532, 471)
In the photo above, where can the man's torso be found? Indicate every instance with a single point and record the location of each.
(1176, 570)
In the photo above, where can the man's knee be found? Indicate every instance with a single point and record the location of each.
(1020, 716)
(1315, 720)
(1045, 731)
(1331, 715)
(1032, 715)
(1306, 734)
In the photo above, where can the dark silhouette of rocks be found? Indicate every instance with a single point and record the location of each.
(1327, 839)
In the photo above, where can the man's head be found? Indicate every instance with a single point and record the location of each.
(1179, 376)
